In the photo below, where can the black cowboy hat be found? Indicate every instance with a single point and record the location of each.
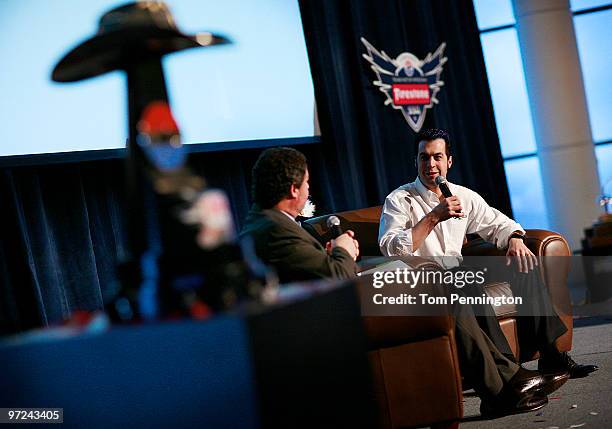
(134, 30)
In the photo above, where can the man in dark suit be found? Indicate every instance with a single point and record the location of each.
(280, 191)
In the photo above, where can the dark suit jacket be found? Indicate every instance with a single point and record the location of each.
(294, 253)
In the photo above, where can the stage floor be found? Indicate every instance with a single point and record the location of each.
(578, 400)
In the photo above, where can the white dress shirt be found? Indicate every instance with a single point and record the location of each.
(409, 203)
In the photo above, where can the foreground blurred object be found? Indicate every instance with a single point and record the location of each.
(128, 34)
(81, 323)
(605, 200)
(183, 256)
(297, 364)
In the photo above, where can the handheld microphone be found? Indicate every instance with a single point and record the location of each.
(333, 223)
(443, 185)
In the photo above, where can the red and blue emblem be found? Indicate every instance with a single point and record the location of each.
(409, 84)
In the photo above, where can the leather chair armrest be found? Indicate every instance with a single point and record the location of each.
(364, 222)
(554, 254)
(389, 331)
(550, 247)
(547, 243)
(540, 241)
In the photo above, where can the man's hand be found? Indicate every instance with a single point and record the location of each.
(347, 242)
(448, 208)
(525, 259)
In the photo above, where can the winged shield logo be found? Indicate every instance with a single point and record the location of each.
(409, 84)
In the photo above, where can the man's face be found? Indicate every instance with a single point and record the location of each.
(432, 161)
(303, 192)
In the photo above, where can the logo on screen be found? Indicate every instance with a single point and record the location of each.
(409, 84)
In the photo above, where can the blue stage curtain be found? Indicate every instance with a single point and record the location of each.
(63, 229)
(61, 234)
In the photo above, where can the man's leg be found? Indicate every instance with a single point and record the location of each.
(481, 362)
(503, 386)
(538, 324)
(487, 320)
(486, 317)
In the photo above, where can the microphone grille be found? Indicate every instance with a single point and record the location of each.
(440, 180)
(333, 221)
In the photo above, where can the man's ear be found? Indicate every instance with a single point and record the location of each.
(450, 161)
(293, 191)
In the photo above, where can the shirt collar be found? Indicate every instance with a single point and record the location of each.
(289, 216)
(424, 192)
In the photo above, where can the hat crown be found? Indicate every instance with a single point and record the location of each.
(149, 14)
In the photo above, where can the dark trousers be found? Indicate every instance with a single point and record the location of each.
(538, 324)
(482, 364)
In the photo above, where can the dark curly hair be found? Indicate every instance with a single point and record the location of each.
(430, 134)
(274, 172)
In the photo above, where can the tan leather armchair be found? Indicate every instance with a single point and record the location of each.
(416, 376)
(415, 370)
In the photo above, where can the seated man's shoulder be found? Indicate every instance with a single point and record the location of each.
(470, 199)
(461, 190)
(400, 198)
(266, 223)
(257, 222)
(404, 190)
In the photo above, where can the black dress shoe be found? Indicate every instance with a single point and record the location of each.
(526, 380)
(506, 404)
(552, 362)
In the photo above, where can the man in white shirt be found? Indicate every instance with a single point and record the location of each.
(418, 220)
(414, 215)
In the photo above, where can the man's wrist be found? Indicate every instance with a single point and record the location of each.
(517, 235)
(433, 218)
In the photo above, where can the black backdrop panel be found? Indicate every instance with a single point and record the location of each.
(372, 143)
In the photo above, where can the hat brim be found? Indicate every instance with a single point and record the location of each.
(114, 51)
